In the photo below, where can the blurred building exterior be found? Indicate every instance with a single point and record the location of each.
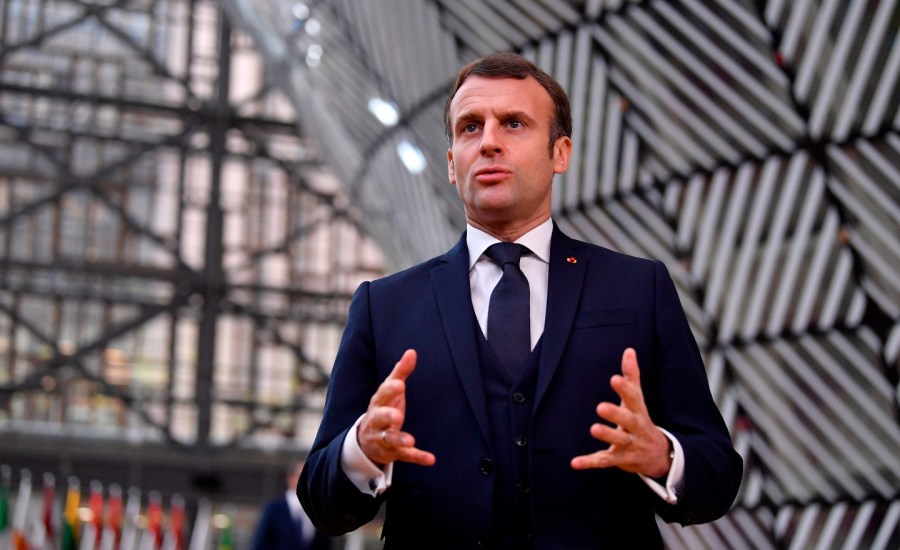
(177, 260)
(191, 190)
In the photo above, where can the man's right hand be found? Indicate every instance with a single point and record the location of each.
(379, 433)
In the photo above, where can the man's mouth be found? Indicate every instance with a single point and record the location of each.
(491, 174)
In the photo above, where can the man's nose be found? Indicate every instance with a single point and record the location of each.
(490, 140)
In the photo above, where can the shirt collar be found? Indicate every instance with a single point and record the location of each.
(537, 240)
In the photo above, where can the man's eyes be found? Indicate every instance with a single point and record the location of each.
(470, 127)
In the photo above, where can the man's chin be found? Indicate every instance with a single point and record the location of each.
(495, 202)
(495, 214)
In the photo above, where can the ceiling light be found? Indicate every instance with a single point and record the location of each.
(314, 55)
(300, 11)
(312, 27)
(412, 157)
(385, 111)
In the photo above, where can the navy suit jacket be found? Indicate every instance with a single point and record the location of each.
(599, 302)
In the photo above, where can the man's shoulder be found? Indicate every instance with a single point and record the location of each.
(421, 272)
(408, 275)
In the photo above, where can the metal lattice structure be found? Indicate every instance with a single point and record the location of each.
(751, 146)
(176, 261)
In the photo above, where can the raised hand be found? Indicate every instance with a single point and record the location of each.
(379, 433)
(635, 444)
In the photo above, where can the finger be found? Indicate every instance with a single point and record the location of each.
(630, 366)
(378, 444)
(618, 415)
(394, 439)
(620, 439)
(394, 386)
(389, 393)
(401, 445)
(416, 456)
(382, 418)
(404, 367)
(628, 384)
(600, 459)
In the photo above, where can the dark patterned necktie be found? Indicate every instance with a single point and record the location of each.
(508, 326)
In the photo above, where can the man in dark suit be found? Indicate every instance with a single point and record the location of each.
(603, 420)
(284, 526)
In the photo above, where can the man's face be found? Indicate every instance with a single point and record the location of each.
(500, 161)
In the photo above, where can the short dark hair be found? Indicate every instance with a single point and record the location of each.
(512, 65)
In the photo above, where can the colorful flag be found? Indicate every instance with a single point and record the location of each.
(176, 522)
(202, 525)
(129, 527)
(20, 519)
(155, 518)
(40, 537)
(5, 481)
(88, 536)
(70, 515)
(49, 513)
(95, 503)
(226, 537)
(112, 530)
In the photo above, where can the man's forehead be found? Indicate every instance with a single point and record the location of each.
(508, 94)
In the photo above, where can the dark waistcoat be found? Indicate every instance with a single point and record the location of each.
(510, 400)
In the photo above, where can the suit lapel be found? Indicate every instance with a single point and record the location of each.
(564, 287)
(451, 287)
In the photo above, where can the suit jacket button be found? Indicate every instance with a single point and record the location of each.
(487, 466)
(521, 441)
(519, 397)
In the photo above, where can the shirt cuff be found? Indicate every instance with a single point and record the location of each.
(362, 472)
(675, 479)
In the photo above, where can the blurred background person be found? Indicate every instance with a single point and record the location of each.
(283, 523)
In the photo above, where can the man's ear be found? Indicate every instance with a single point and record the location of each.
(451, 169)
(562, 154)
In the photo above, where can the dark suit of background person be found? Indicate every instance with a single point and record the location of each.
(280, 529)
(493, 460)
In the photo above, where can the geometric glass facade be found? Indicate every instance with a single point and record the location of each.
(754, 147)
(190, 192)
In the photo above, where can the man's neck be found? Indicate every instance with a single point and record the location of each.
(508, 232)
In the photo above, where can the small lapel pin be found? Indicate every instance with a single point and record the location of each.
(571, 260)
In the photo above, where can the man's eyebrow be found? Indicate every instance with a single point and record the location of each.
(468, 117)
(507, 115)
(517, 114)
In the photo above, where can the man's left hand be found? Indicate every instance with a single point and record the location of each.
(635, 444)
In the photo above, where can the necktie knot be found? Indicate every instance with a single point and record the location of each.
(505, 253)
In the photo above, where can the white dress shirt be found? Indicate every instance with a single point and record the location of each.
(484, 275)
